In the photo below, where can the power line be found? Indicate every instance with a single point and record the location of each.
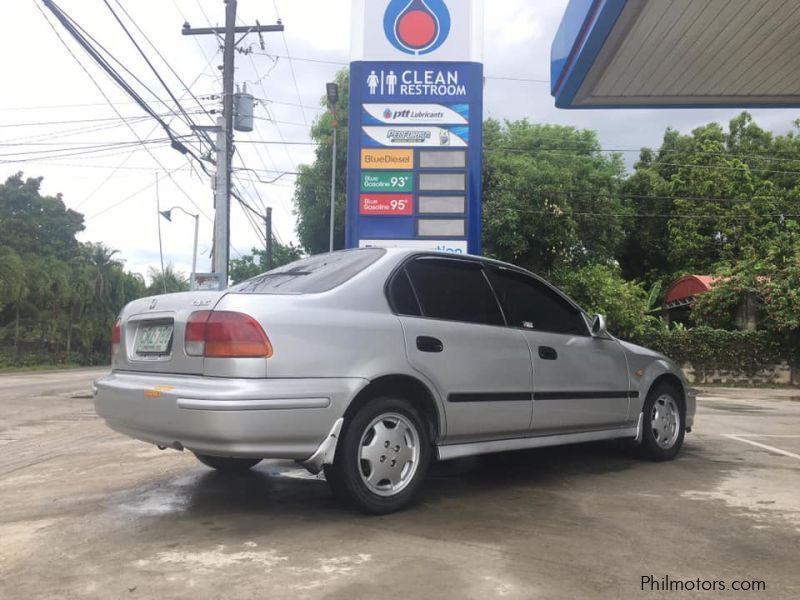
(300, 59)
(292, 162)
(79, 131)
(86, 144)
(167, 63)
(129, 197)
(67, 153)
(190, 122)
(344, 63)
(621, 194)
(122, 164)
(277, 142)
(257, 148)
(294, 104)
(76, 131)
(111, 104)
(249, 212)
(94, 166)
(83, 38)
(205, 16)
(69, 122)
(251, 220)
(291, 64)
(261, 203)
(73, 29)
(565, 152)
(568, 213)
(278, 122)
(661, 151)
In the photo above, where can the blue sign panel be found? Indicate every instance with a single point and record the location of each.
(415, 155)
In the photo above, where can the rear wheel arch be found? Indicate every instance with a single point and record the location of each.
(407, 387)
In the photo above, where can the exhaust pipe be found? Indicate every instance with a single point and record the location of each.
(174, 445)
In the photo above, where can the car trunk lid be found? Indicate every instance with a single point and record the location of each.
(152, 332)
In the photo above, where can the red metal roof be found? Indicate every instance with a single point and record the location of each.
(688, 287)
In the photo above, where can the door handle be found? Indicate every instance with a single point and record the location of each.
(547, 353)
(429, 344)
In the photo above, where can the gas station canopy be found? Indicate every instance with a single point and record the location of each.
(677, 54)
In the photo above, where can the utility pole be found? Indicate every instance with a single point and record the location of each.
(223, 242)
(269, 238)
(222, 189)
(222, 204)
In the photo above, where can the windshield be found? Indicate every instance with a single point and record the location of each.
(311, 275)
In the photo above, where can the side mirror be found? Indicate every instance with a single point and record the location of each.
(599, 326)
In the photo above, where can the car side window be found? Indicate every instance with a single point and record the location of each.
(530, 304)
(402, 297)
(454, 290)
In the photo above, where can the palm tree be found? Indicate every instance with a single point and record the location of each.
(14, 286)
(101, 257)
(80, 295)
(170, 280)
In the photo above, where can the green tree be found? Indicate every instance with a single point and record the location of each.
(710, 198)
(250, 265)
(312, 196)
(550, 197)
(644, 254)
(58, 297)
(101, 259)
(15, 287)
(600, 289)
(772, 280)
(171, 280)
(34, 224)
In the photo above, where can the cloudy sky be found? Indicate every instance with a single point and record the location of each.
(76, 141)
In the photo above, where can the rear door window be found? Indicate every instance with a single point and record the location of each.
(530, 304)
(402, 297)
(454, 290)
(312, 275)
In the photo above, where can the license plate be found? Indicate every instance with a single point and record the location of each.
(154, 339)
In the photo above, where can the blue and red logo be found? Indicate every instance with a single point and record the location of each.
(417, 26)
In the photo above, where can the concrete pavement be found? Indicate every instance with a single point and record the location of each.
(87, 513)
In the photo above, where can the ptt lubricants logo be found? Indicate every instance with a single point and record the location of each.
(417, 27)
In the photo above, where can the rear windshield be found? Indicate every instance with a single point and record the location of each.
(311, 275)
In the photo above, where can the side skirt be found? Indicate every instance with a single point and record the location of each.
(461, 450)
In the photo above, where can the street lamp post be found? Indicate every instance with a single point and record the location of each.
(167, 214)
(333, 98)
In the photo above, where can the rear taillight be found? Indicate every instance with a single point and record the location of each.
(195, 339)
(224, 334)
(116, 337)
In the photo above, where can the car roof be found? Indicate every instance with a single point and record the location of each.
(400, 253)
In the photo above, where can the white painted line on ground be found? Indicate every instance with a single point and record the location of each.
(739, 438)
(762, 435)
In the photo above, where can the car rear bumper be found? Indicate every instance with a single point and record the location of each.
(247, 418)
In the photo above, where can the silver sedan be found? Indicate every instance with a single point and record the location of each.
(371, 363)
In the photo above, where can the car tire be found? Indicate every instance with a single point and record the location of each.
(228, 465)
(382, 457)
(663, 423)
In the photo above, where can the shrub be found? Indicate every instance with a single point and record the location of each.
(600, 289)
(707, 349)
